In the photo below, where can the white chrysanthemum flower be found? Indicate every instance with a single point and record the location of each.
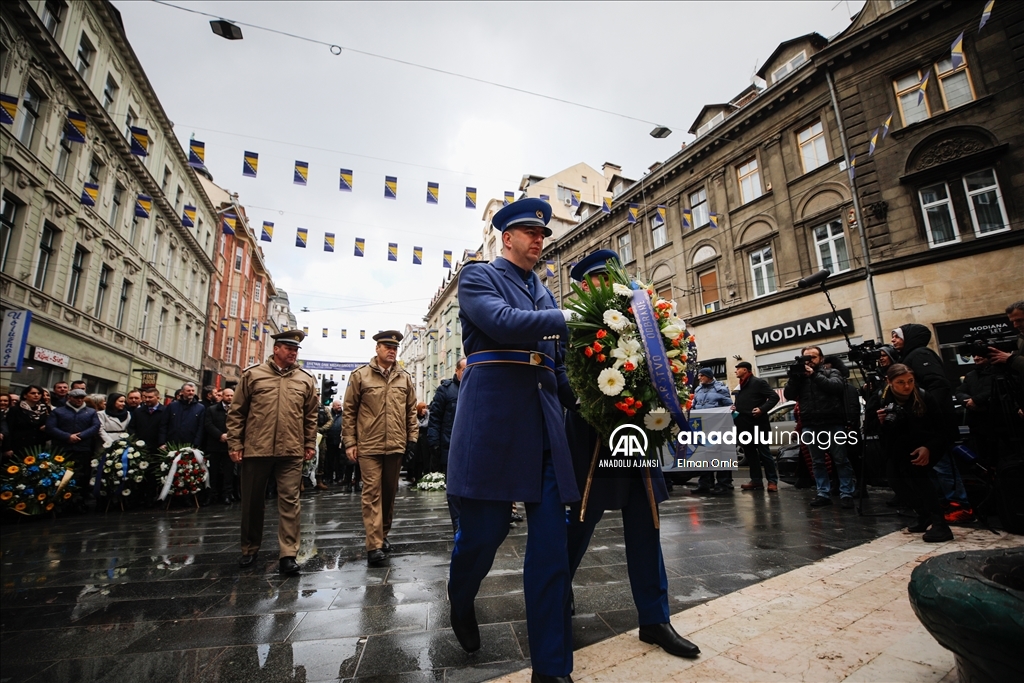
(126, 492)
(611, 382)
(616, 320)
(138, 478)
(92, 481)
(621, 290)
(94, 463)
(143, 465)
(656, 420)
(626, 351)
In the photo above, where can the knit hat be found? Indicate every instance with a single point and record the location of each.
(707, 372)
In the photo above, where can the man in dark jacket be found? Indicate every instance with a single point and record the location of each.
(148, 419)
(185, 420)
(439, 430)
(752, 400)
(821, 395)
(59, 395)
(75, 427)
(333, 457)
(222, 470)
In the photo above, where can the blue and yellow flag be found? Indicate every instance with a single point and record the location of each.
(470, 197)
(196, 154)
(325, 333)
(432, 335)
(687, 215)
(143, 205)
(344, 333)
(75, 130)
(417, 256)
(392, 251)
(957, 51)
(713, 219)
(188, 217)
(390, 187)
(447, 259)
(509, 198)
(471, 256)
(659, 216)
(305, 331)
(852, 167)
(223, 323)
(301, 235)
(244, 325)
(360, 246)
(90, 194)
(885, 126)
(986, 13)
(632, 213)
(345, 180)
(574, 197)
(250, 161)
(140, 141)
(362, 334)
(8, 108)
(923, 87)
(549, 269)
(433, 191)
(873, 142)
(606, 205)
(301, 173)
(546, 198)
(329, 242)
(266, 329)
(268, 232)
(228, 223)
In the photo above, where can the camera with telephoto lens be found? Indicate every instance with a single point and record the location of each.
(893, 413)
(865, 354)
(798, 368)
(979, 344)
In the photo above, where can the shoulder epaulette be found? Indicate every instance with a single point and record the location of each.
(307, 372)
(256, 365)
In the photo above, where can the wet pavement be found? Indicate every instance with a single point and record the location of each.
(158, 596)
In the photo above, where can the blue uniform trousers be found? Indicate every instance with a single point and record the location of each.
(483, 525)
(644, 563)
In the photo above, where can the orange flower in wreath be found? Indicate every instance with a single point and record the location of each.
(13, 469)
(49, 506)
(20, 506)
(6, 495)
(29, 460)
(41, 497)
(58, 458)
(67, 495)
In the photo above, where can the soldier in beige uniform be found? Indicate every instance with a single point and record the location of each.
(271, 427)
(379, 423)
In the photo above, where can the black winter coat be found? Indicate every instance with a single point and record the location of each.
(822, 397)
(442, 416)
(910, 431)
(754, 393)
(184, 423)
(978, 385)
(214, 425)
(147, 427)
(24, 430)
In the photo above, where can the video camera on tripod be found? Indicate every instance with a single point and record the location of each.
(980, 345)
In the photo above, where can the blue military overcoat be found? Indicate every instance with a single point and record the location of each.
(505, 410)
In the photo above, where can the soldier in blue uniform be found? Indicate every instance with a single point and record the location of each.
(637, 493)
(508, 442)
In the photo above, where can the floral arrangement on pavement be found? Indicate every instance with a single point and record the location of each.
(187, 473)
(122, 470)
(608, 364)
(433, 481)
(37, 481)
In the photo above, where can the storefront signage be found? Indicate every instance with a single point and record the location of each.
(955, 332)
(148, 380)
(52, 357)
(803, 330)
(15, 339)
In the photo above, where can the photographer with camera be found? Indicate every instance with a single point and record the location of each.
(821, 395)
(912, 434)
(1013, 361)
(976, 395)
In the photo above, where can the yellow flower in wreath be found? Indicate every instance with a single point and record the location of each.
(6, 495)
(13, 469)
(41, 497)
(58, 458)
(29, 460)
(20, 506)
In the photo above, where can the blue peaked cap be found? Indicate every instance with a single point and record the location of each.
(524, 213)
(593, 263)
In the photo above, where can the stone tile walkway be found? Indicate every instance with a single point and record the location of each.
(844, 618)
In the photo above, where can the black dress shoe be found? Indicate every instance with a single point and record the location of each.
(541, 678)
(466, 630)
(920, 526)
(387, 546)
(289, 566)
(516, 517)
(665, 637)
(247, 561)
(375, 557)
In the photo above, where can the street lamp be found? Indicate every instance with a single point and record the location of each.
(661, 132)
(225, 29)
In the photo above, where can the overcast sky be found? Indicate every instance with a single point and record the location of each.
(290, 100)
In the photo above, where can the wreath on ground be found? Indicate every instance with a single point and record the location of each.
(36, 481)
(122, 470)
(187, 473)
(434, 481)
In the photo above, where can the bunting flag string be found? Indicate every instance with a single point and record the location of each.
(267, 234)
(470, 197)
(574, 197)
(606, 205)
(853, 167)
(250, 161)
(873, 142)
(345, 180)
(360, 246)
(305, 331)
(549, 269)
(417, 256)
(90, 194)
(329, 242)
(687, 215)
(140, 141)
(447, 259)
(223, 323)
(188, 217)
(433, 192)
(509, 198)
(956, 52)
(546, 198)
(244, 325)
(392, 251)
(8, 108)
(986, 14)
(632, 212)
(362, 334)
(143, 205)
(887, 124)
(301, 235)
(923, 86)
(344, 333)
(196, 154)
(228, 223)
(75, 129)
(325, 333)
(659, 216)
(390, 187)
(301, 173)
(713, 219)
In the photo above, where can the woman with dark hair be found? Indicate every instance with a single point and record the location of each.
(913, 439)
(114, 419)
(27, 419)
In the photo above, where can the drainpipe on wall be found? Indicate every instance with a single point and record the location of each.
(868, 278)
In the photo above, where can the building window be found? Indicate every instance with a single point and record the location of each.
(239, 256)
(129, 121)
(144, 326)
(714, 121)
(46, 249)
(77, 267)
(699, 208)
(789, 67)
(160, 328)
(831, 244)
(115, 205)
(750, 180)
(133, 232)
(101, 291)
(233, 306)
(109, 93)
(178, 197)
(122, 303)
(155, 251)
(31, 103)
(64, 156)
(659, 236)
(229, 350)
(762, 269)
(564, 194)
(172, 254)
(53, 14)
(95, 170)
(987, 211)
(257, 291)
(939, 221)
(708, 281)
(625, 244)
(86, 53)
(166, 183)
(955, 84)
(8, 219)
(907, 94)
(812, 147)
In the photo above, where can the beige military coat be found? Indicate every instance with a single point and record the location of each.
(273, 413)
(380, 413)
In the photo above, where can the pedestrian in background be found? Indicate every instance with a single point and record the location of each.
(333, 465)
(379, 424)
(753, 399)
(215, 439)
(710, 393)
